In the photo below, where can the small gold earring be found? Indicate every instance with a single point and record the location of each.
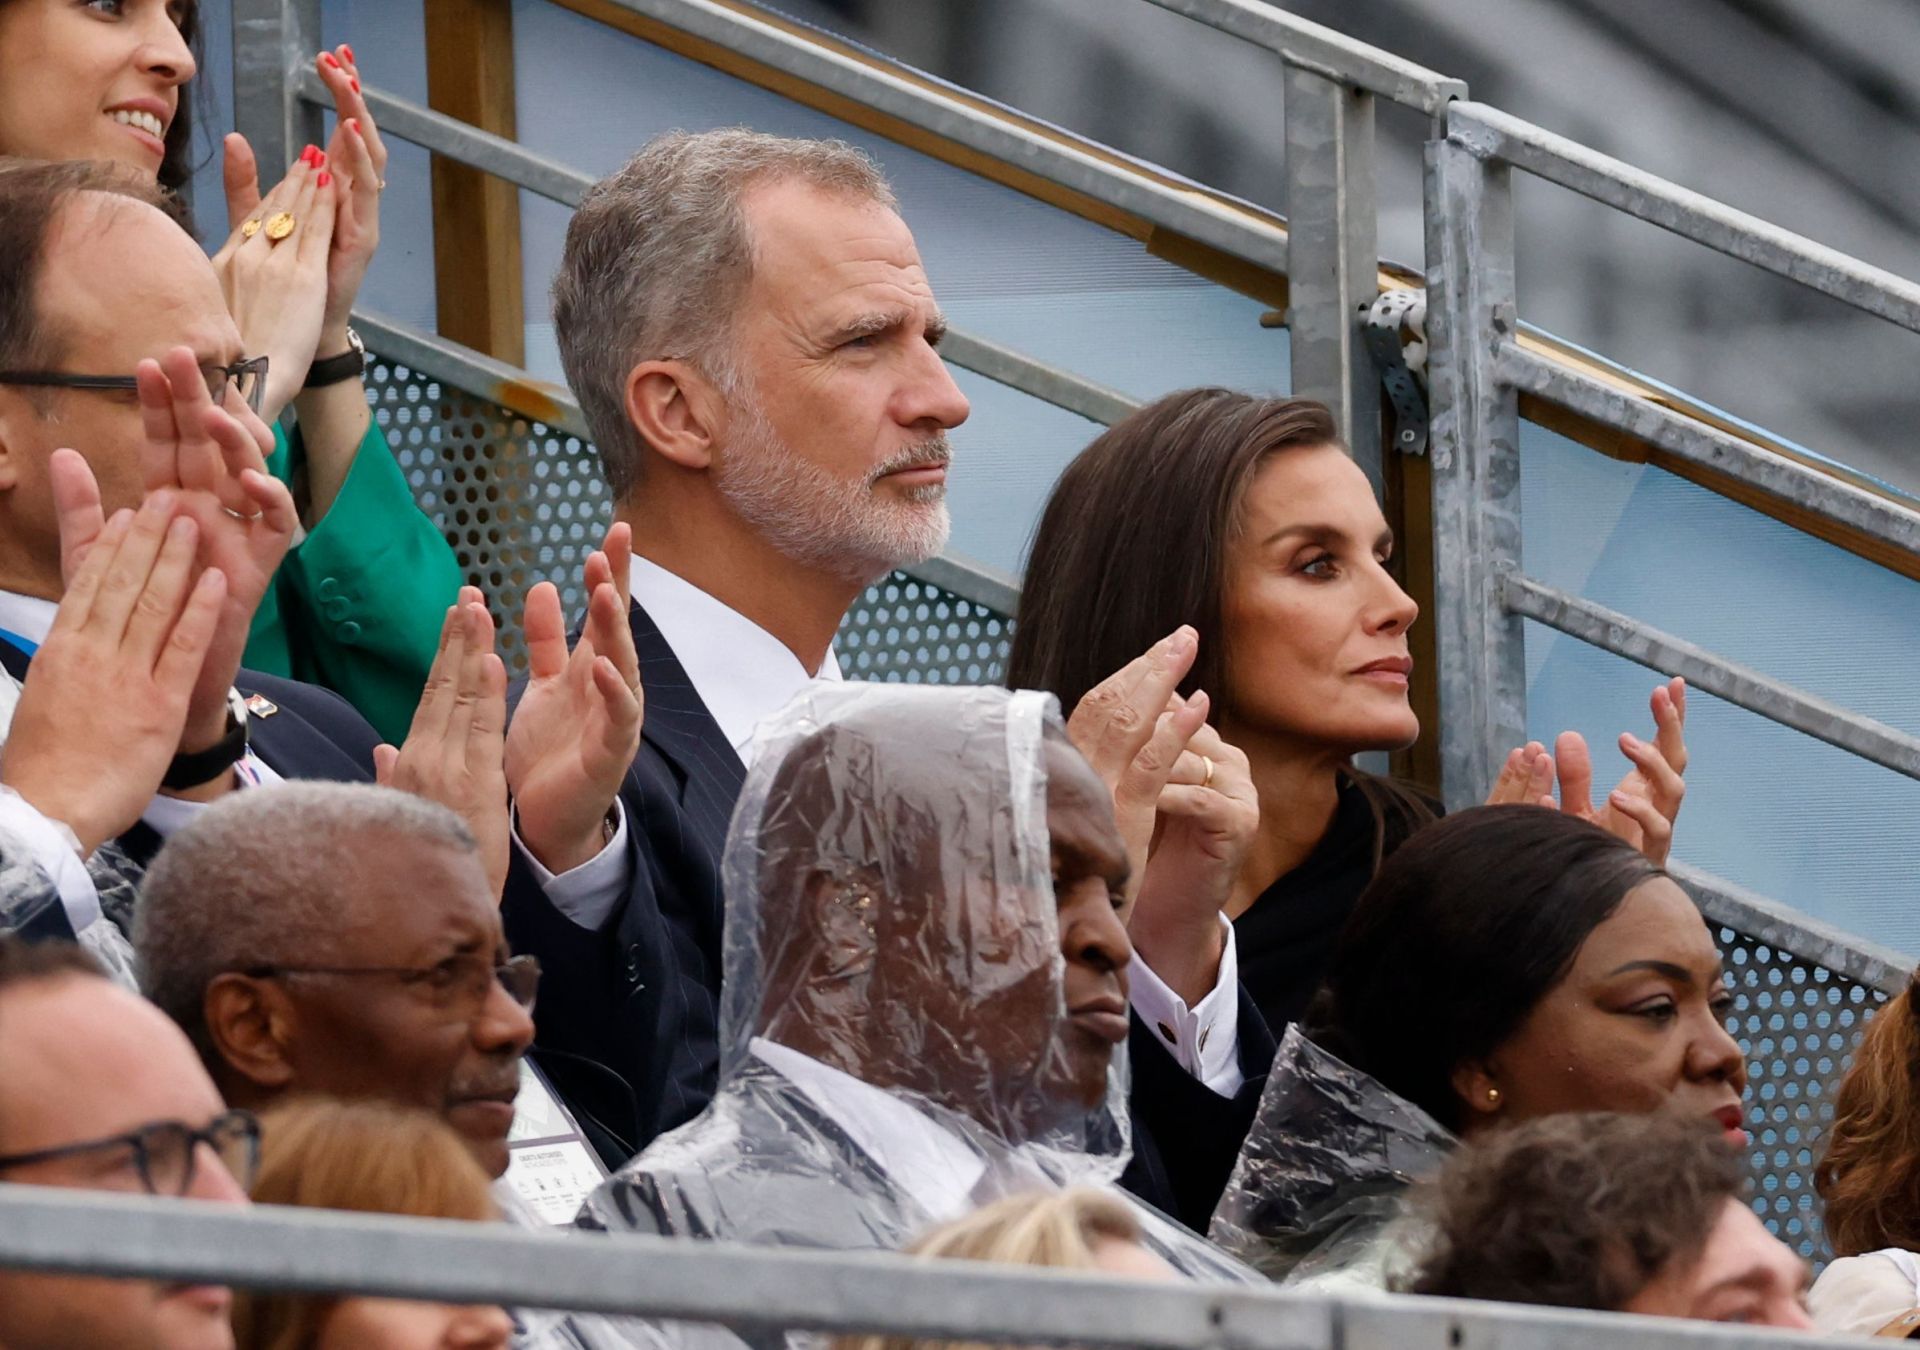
(1493, 1096)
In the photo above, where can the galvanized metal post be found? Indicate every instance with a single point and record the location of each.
(272, 41)
(1333, 255)
(1476, 466)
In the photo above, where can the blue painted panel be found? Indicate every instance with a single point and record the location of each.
(1770, 808)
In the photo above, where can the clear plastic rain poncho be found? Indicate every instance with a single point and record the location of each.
(1318, 1196)
(892, 1020)
(28, 895)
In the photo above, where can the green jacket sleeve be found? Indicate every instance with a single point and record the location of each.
(358, 603)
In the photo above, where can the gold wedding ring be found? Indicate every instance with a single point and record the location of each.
(280, 226)
(1208, 780)
(250, 229)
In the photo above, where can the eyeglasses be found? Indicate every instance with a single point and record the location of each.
(460, 983)
(164, 1153)
(248, 376)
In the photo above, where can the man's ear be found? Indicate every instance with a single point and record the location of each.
(677, 410)
(1477, 1084)
(14, 409)
(251, 1025)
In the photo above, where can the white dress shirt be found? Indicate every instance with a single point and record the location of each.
(744, 674)
(1858, 1295)
(50, 843)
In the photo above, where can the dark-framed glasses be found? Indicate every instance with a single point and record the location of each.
(459, 983)
(165, 1153)
(248, 376)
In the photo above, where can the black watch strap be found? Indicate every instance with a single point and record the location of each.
(203, 766)
(334, 369)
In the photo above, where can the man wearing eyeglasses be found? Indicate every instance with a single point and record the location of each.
(99, 1091)
(376, 968)
(115, 340)
(123, 385)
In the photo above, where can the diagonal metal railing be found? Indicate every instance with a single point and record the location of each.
(320, 1251)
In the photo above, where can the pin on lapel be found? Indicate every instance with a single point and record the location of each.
(261, 706)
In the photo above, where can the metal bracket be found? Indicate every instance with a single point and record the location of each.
(1401, 360)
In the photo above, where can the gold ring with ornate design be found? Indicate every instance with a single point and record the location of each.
(1208, 780)
(280, 226)
(250, 229)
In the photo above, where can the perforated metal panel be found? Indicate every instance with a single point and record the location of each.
(905, 629)
(519, 501)
(523, 503)
(1798, 1024)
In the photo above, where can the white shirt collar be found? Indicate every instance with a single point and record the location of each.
(27, 617)
(742, 672)
(936, 1168)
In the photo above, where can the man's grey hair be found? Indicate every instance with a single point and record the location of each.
(268, 876)
(657, 258)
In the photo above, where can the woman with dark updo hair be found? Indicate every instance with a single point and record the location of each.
(1508, 963)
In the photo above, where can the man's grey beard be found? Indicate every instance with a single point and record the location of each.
(820, 521)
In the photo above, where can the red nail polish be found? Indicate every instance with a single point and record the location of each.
(328, 58)
(349, 51)
(353, 125)
(326, 178)
(356, 86)
(311, 154)
(319, 159)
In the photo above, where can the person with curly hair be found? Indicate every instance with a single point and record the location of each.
(1615, 1213)
(1869, 1179)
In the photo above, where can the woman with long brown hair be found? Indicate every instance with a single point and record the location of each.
(1869, 1178)
(1239, 526)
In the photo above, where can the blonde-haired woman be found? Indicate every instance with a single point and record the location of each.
(1079, 1228)
(375, 1159)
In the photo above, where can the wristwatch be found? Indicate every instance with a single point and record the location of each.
(334, 369)
(203, 766)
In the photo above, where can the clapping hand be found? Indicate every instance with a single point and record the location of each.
(577, 727)
(1133, 736)
(101, 713)
(1642, 809)
(1209, 816)
(1185, 804)
(214, 459)
(277, 288)
(357, 158)
(454, 751)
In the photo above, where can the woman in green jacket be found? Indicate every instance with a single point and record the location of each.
(358, 603)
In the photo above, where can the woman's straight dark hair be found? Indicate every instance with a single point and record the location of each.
(1464, 930)
(1134, 542)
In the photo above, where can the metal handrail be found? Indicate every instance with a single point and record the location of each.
(1186, 209)
(448, 1261)
(1311, 46)
(1788, 930)
(1491, 134)
(1612, 631)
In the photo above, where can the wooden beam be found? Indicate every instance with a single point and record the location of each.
(476, 217)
